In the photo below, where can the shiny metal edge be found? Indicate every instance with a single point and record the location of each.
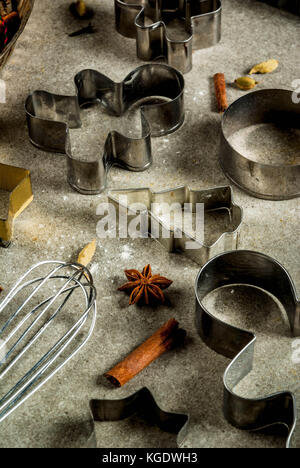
(133, 154)
(265, 181)
(226, 242)
(204, 30)
(244, 267)
(142, 403)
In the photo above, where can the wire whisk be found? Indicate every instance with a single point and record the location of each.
(36, 304)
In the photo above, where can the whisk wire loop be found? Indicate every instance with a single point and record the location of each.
(79, 281)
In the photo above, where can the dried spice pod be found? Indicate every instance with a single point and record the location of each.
(86, 255)
(145, 286)
(166, 338)
(80, 10)
(265, 67)
(245, 83)
(220, 88)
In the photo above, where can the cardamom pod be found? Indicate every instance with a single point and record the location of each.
(87, 254)
(265, 67)
(81, 8)
(245, 83)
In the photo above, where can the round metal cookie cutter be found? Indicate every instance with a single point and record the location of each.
(267, 181)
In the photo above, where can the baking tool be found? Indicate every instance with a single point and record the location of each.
(143, 404)
(16, 181)
(262, 180)
(35, 305)
(157, 88)
(24, 8)
(258, 270)
(147, 21)
(215, 199)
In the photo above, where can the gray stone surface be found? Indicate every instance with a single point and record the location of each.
(59, 222)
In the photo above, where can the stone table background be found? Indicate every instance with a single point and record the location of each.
(59, 222)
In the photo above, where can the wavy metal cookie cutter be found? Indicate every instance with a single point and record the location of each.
(267, 181)
(17, 182)
(257, 270)
(215, 199)
(157, 88)
(143, 404)
(202, 20)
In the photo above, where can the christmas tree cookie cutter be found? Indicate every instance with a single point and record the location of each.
(202, 20)
(255, 269)
(17, 183)
(158, 90)
(214, 200)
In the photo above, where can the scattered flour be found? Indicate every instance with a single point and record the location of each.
(268, 144)
(126, 252)
(88, 141)
(94, 269)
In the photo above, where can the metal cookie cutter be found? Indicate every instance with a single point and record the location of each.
(17, 183)
(176, 239)
(202, 20)
(143, 404)
(258, 270)
(267, 181)
(158, 88)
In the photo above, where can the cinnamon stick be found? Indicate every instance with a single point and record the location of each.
(165, 339)
(220, 87)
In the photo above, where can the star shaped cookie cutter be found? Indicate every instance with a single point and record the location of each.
(143, 404)
(255, 269)
(214, 200)
(157, 89)
(147, 20)
(16, 182)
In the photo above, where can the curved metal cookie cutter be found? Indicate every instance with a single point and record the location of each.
(143, 404)
(202, 20)
(16, 182)
(177, 239)
(158, 87)
(267, 181)
(258, 270)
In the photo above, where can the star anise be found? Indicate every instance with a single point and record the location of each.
(145, 286)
